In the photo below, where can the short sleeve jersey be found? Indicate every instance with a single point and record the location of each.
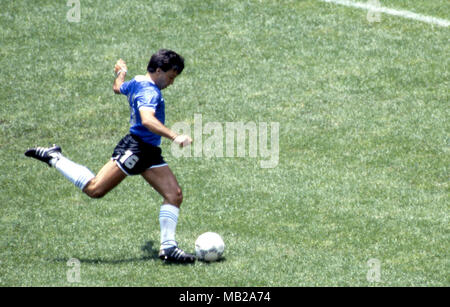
(142, 93)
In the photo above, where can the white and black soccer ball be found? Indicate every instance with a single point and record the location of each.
(209, 247)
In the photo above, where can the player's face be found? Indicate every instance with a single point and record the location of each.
(165, 78)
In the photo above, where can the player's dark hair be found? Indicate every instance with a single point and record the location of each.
(166, 60)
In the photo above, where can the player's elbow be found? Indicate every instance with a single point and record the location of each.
(149, 120)
(146, 123)
(149, 123)
(116, 89)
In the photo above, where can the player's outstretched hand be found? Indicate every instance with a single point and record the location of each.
(120, 66)
(182, 140)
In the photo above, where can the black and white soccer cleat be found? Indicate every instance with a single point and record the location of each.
(44, 154)
(175, 255)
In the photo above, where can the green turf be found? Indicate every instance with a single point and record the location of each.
(364, 143)
(435, 8)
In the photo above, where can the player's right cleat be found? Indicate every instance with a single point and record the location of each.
(175, 255)
(44, 154)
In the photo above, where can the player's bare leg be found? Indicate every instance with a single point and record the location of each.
(94, 186)
(107, 178)
(163, 180)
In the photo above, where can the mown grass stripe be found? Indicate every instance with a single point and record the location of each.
(400, 13)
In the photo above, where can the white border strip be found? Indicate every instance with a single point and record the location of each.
(400, 13)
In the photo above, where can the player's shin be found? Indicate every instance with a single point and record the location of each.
(78, 174)
(168, 218)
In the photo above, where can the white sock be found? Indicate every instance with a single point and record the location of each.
(168, 218)
(78, 174)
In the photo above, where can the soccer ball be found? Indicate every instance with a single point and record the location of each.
(209, 246)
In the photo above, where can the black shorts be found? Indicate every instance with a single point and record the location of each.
(134, 157)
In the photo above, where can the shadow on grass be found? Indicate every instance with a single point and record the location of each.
(222, 259)
(149, 252)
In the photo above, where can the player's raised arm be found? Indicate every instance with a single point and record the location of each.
(120, 69)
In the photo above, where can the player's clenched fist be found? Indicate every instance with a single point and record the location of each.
(120, 66)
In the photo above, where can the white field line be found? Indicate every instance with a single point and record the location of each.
(401, 13)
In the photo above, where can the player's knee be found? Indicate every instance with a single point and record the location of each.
(96, 194)
(175, 197)
(94, 191)
(179, 197)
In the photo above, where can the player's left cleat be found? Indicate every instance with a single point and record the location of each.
(44, 154)
(175, 255)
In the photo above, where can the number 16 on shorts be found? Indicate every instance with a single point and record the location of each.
(129, 159)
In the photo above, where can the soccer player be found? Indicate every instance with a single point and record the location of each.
(138, 153)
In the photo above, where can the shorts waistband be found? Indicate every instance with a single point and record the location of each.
(140, 141)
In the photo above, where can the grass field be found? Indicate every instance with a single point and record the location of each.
(364, 142)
